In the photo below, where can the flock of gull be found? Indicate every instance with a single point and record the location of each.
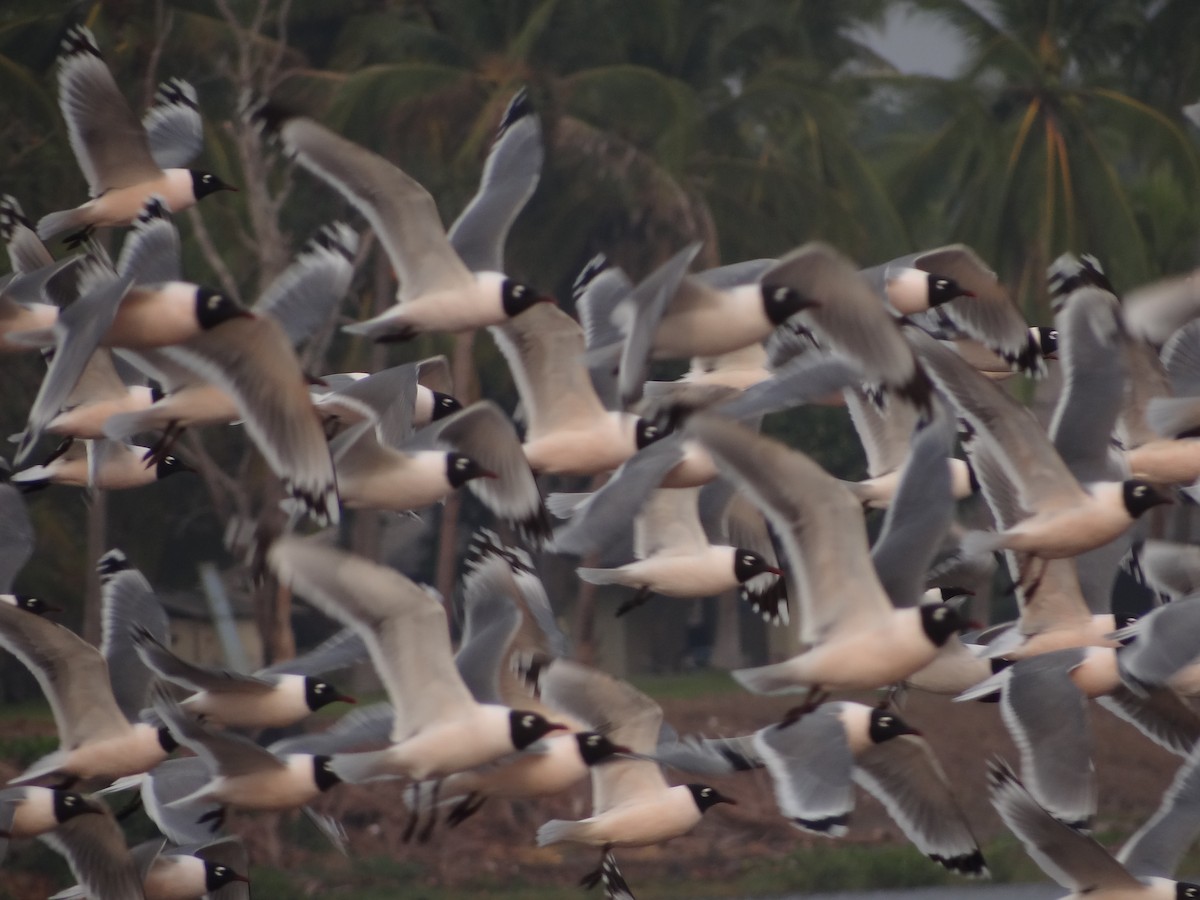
(916, 349)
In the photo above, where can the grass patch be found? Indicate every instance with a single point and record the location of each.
(686, 686)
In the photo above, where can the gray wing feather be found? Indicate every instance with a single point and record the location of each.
(10, 799)
(343, 649)
(1157, 848)
(811, 768)
(354, 731)
(305, 294)
(919, 515)
(484, 433)
(151, 253)
(126, 601)
(388, 396)
(492, 621)
(1170, 568)
(1068, 856)
(174, 129)
(173, 780)
(16, 536)
(1160, 714)
(1090, 334)
(736, 274)
(1046, 715)
(95, 849)
(905, 776)
(108, 140)
(26, 253)
(224, 752)
(710, 756)
(510, 176)
(801, 381)
(646, 305)
(595, 299)
(1181, 358)
(604, 517)
(167, 665)
(1166, 642)
(77, 333)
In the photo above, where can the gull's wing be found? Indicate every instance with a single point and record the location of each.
(919, 515)
(484, 433)
(1009, 430)
(71, 673)
(171, 780)
(990, 317)
(597, 290)
(669, 525)
(388, 397)
(885, 434)
(167, 665)
(16, 534)
(1046, 716)
(1071, 858)
(401, 211)
(174, 129)
(905, 776)
(127, 602)
(510, 176)
(343, 649)
(359, 729)
(811, 769)
(544, 350)
(77, 333)
(1170, 568)
(806, 379)
(642, 312)
(604, 516)
(710, 756)
(621, 712)
(1155, 311)
(224, 752)
(1180, 357)
(745, 526)
(404, 627)
(850, 320)
(1090, 334)
(736, 274)
(492, 620)
(108, 141)
(95, 849)
(818, 521)
(305, 294)
(1158, 713)
(26, 252)
(151, 252)
(1157, 848)
(252, 359)
(1165, 643)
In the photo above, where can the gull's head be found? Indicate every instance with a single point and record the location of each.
(525, 727)
(318, 693)
(460, 469)
(1140, 496)
(747, 564)
(205, 183)
(885, 725)
(781, 302)
(940, 621)
(516, 297)
(707, 797)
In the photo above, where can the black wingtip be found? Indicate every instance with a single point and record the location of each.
(771, 603)
(827, 825)
(12, 217)
(518, 108)
(176, 92)
(79, 41)
(269, 116)
(111, 563)
(592, 268)
(970, 864)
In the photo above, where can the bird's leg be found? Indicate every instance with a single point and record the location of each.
(592, 878)
(812, 699)
(427, 832)
(639, 598)
(414, 812)
(889, 695)
(163, 445)
(134, 805)
(470, 805)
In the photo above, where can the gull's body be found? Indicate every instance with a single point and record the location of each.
(439, 728)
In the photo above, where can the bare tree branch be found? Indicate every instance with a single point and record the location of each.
(211, 256)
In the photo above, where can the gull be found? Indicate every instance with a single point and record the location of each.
(33, 276)
(211, 869)
(31, 811)
(848, 319)
(857, 638)
(674, 556)
(439, 728)
(17, 541)
(1063, 518)
(632, 804)
(94, 695)
(1081, 865)
(501, 604)
(120, 161)
(95, 849)
(437, 291)
(273, 697)
(99, 465)
(569, 431)
(815, 761)
(1043, 700)
(403, 397)
(964, 299)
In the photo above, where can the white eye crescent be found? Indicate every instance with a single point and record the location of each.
(939, 613)
(885, 720)
(1139, 491)
(707, 792)
(780, 294)
(527, 721)
(69, 801)
(593, 740)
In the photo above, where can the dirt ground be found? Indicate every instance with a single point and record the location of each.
(498, 841)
